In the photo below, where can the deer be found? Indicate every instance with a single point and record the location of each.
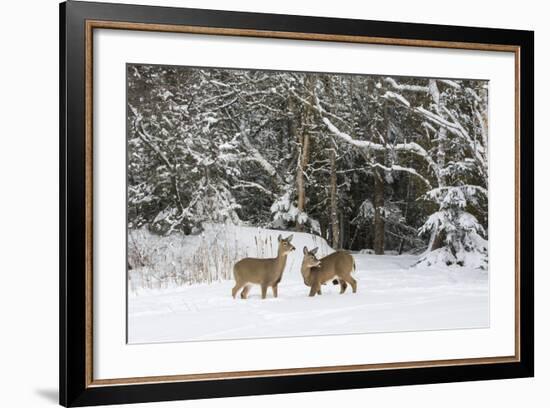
(266, 272)
(337, 267)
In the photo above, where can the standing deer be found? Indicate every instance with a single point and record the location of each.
(338, 265)
(266, 272)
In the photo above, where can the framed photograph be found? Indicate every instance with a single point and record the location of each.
(256, 204)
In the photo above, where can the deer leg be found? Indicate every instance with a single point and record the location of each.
(264, 291)
(353, 283)
(319, 291)
(275, 290)
(343, 286)
(315, 287)
(244, 293)
(238, 286)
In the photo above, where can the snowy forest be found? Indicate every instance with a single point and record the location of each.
(383, 163)
(222, 162)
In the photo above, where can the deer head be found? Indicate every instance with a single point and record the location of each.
(310, 260)
(285, 247)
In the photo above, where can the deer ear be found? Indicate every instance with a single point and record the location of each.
(305, 250)
(314, 250)
(290, 238)
(279, 238)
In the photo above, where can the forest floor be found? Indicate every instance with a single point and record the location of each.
(391, 296)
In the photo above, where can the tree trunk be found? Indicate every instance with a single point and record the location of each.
(335, 224)
(438, 238)
(437, 241)
(303, 140)
(336, 241)
(303, 157)
(406, 212)
(293, 132)
(344, 230)
(379, 181)
(379, 227)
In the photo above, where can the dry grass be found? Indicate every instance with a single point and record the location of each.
(157, 262)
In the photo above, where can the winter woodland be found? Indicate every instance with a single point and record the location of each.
(220, 161)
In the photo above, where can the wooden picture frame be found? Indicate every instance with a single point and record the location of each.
(78, 20)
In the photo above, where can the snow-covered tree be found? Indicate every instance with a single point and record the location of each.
(463, 234)
(364, 161)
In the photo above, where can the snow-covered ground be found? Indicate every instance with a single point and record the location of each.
(391, 296)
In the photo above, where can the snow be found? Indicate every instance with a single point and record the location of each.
(451, 83)
(226, 146)
(284, 211)
(366, 145)
(393, 295)
(397, 97)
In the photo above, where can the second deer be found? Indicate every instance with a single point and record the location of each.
(337, 266)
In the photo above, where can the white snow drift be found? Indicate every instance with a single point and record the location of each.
(392, 295)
